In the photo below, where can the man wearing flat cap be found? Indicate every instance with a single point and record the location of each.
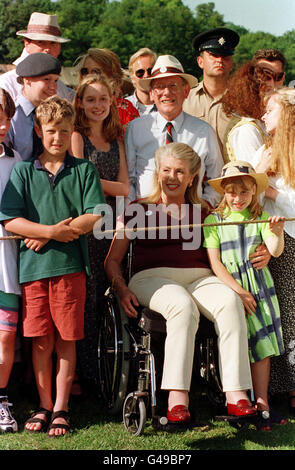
(42, 35)
(38, 75)
(169, 86)
(215, 49)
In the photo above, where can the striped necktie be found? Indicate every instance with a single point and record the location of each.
(169, 137)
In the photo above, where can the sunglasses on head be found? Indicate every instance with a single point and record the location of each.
(84, 71)
(270, 74)
(140, 72)
(242, 169)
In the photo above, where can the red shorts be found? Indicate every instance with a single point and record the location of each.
(55, 303)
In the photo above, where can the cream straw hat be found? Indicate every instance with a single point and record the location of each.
(240, 168)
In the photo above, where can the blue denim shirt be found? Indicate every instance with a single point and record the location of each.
(20, 133)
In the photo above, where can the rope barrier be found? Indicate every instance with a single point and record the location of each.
(169, 227)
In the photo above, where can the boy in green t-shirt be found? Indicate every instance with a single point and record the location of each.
(50, 202)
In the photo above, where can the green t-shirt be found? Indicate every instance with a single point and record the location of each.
(228, 234)
(39, 196)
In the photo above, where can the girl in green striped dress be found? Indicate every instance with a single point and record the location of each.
(229, 248)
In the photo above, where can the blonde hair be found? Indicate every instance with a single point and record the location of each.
(6, 103)
(112, 128)
(183, 152)
(107, 61)
(144, 51)
(245, 182)
(282, 143)
(54, 109)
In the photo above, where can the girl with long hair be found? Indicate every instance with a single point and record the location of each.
(229, 247)
(97, 137)
(277, 159)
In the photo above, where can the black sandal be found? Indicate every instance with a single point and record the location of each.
(59, 414)
(44, 422)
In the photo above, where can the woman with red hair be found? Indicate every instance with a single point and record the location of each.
(244, 102)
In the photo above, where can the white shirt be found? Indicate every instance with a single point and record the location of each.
(141, 108)
(147, 133)
(8, 248)
(284, 204)
(246, 139)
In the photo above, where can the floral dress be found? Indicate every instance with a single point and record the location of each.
(108, 165)
(236, 243)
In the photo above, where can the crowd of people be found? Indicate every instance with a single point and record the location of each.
(174, 151)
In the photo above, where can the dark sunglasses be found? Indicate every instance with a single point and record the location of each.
(140, 72)
(84, 71)
(242, 169)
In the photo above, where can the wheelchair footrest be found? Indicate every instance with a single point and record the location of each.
(161, 423)
(238, 422)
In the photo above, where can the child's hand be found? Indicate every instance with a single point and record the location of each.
(35, 244)
(63, 232)
(276, 224)
(248, 301)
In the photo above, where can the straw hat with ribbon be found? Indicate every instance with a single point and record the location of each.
(238, 168)
(42, 27)
(167, 66)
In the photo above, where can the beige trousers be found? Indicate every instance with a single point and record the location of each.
(180, 295)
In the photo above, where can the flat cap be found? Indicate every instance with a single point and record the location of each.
(38, 64)
(221, 41)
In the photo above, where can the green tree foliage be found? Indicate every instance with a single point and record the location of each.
(14, 16)
(78, 20)
(208, 18)
(166, 26)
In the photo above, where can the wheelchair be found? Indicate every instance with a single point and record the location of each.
(128, 375)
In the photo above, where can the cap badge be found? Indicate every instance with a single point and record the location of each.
(221, 41)
(163, 69)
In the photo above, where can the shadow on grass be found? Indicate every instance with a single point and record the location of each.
(88, 413)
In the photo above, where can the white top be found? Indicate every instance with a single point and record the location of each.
(247, 139)
(147, 133)
(141, 108)
(8, 248)
(284, 204)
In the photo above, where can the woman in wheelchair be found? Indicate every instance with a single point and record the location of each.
(171, 275)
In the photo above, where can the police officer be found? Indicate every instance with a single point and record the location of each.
(215, 49)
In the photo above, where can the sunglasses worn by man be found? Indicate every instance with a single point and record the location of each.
(140, 72)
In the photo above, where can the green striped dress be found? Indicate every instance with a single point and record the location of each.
(236, 243)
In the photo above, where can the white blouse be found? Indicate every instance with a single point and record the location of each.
(284, 204)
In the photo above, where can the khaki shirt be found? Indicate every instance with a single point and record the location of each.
(200, 104)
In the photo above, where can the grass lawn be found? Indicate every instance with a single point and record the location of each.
(93, 430)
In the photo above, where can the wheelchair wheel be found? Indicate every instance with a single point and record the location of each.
(134, 414)
(209, 371)
(113, 354)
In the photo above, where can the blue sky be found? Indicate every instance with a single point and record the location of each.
(271, 16)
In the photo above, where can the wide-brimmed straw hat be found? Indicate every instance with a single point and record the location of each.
(240, 168)
(42, 27)
(167, 66)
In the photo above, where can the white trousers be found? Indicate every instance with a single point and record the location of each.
(180, 295)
